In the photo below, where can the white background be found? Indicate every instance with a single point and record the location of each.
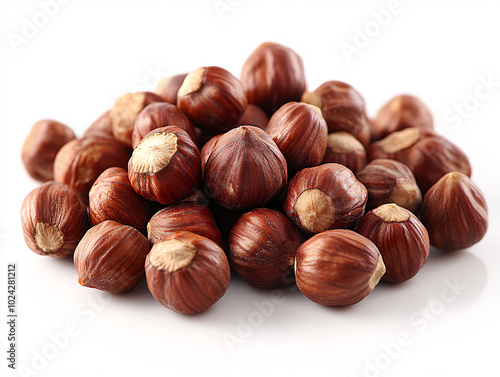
(87, 53)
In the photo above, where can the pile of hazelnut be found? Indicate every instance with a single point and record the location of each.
(258, 175)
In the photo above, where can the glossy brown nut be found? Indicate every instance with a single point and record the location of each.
(428, 155)
(187, 273)
(124, 112)
(40, 147)
(300, 132)
(186, 216)
(254, 116)
(343, 148)
(54, 219)
(168, 87)
(343, 109)
(262, 246)
(81, 161)
(110, 257)
(213, 98)
(102, 128)
(325, 197)
(455, 213)
(243, 168)
(390, 181)
(403, 111)
(338, 267)
(272, 76)
(401, 239)
(160, 114)
(113, 198)
(165, 167)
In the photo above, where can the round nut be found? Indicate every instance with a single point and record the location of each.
(300, 132)
(187, 273)
(110, 257)
(54, 219)
(101, 128)
(81, 161)
(160, 114)
(390, 181)
(254, 116)
(401, 239)
(343, 109)
(163, 156)
(113, 198)
(40, 147)
(186, 216)
(263, 243)
(402, 111)
(454, 212)
(243, 168)
(338, 267)
(325, 197)
(213, 98)
(343, 148)
(272, 76)
(168, 87)
(428, 155)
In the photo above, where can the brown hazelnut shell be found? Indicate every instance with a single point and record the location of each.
(40, 148)
(185, 216)
(272, 76)
(54, 219)
(455, 213)
(113, 198)
(401, 239)
(110, 257)
(263, 243)
(160, 114)
(390, 181)
(325, 197)
(300, 132)
(243, 168)
(338, 267)
(187, 273)
(428, 155)
(164, 156)
(343, 148)
(168, 87)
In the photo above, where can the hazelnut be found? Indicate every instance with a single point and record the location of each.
(401, 239)
(403, 111)
(428, 155)
(81, 161)
(263, 243)
(244, 168)
(213, 98)
(343, 109)
(390, 181)
(165, 166)
(272, 76)
(343, 148)
(113, 198)
(454, 212)
(186, 216)
(325, 197)
(110, 257)
(299, 131)
(187, 273)
(102, 128)
(338, 267)
(54, 219)
(254, 116)
(41, 145)
(125, 110)
(168, 87)
(160, 114)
